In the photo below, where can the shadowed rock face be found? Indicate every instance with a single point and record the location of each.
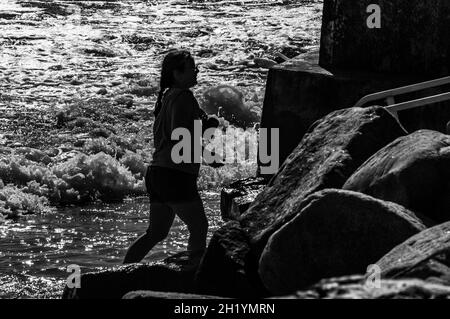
(226, 269)
(335, 146)
(330, 152)
(425, 255)
(413, 171)
(174, 274)
(356, 287)
(334, 233)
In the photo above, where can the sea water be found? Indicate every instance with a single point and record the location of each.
(55, 53)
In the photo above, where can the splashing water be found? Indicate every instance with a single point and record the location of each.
(99, 61)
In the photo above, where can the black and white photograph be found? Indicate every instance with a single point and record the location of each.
(224, 157)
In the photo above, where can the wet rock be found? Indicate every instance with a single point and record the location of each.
(159, 295)
(224, 270)
(330, 152)
(264, 63)
(116, 82)
(127, 101)
(356, 287)
(102, 91)
(425, 255)
(334, 233)
(76, 82)
(228, 102)
(412, 171)
(9, 15)
(174, 274)
(237, 197)
(144, 91)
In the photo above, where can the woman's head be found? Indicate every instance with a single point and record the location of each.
(178, 70)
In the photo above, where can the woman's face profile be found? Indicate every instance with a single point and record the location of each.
(188, 77)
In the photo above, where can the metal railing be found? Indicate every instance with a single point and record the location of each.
(389, 96)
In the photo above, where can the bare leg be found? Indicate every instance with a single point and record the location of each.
(192, 213)
(161, 219)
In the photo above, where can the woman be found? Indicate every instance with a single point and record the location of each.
(173, 186)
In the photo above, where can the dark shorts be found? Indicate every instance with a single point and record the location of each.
(170, 185)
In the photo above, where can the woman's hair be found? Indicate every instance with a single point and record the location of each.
(174, 60)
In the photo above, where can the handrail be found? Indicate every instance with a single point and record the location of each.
(419, 102)
(390, 94)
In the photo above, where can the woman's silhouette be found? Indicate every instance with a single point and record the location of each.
(172, 187)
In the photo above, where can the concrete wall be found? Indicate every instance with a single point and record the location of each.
(299, 92)
(413, 38)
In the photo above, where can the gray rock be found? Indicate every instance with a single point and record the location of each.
(144, 91)
(125, 100)
(102, 91)
(333, 149)
(224, 270)
(173, 274)
(412, 171)
(334, 233)
(425, 255)
(356, 287)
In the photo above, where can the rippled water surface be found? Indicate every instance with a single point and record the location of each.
(56, 53)
(35, 251)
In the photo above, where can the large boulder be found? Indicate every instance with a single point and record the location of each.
(425, 255)
(356, 287)
(175, 274)
(413, 171)
(225, 269)
(334, 233)
(329, 153)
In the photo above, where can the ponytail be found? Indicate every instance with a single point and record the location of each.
(174, 60)
(159, 102)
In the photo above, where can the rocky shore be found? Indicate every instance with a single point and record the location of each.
(359, 198)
